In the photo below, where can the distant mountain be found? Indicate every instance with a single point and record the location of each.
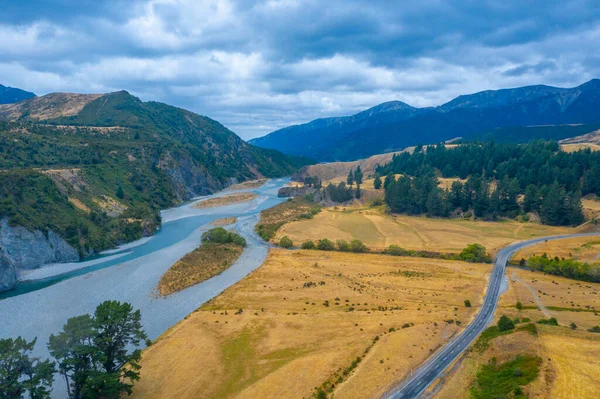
(84, 172)
(10, 95)
(488, 114)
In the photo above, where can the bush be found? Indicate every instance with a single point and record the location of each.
(467, 303)
(221, 236)
(395, 250)
(308, 245)
(475, 253)
(573, 326)
(505, 324)
(519, 305)
(595, 329)
(286, 242)
(358, 246)
(325, 245)
(551, 321)
(343, 246)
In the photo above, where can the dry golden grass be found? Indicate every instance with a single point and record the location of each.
(583, 249)
(575, 359)
(377, 230)
(579, 146)
(204, 262)
(552, 292)
(79, 205)
(286, 341)
(225, 200)
(223, 222)
(504, 348)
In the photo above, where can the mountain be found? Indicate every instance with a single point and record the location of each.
(10, 95)
(488, 114)
(83, 173)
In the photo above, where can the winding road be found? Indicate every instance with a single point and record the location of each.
(423, 377)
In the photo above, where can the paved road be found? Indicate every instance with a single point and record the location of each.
(434, 366)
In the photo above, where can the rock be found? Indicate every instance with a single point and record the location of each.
(24, 249)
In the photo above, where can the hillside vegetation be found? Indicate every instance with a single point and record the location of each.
(98, 168)
(510, 115)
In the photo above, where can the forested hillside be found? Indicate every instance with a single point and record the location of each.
(99, 176)
(511, 115)
(502, 180)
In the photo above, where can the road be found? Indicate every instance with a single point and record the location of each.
(423, 377)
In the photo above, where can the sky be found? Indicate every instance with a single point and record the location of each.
(257, 66)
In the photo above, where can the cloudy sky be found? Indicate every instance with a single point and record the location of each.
(257, 66)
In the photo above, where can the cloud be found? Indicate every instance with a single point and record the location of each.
(260, 65)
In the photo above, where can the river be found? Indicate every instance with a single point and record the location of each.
(39, 307)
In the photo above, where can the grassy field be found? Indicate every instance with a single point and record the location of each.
(579, 146)
(304, 317)
(377, 230)
(583, 249)
(570, 357)
(273, 218)
(204, 262)
(226, 200)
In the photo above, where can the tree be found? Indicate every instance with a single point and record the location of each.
(519, 305)
(573, 326)
(505, 324)
(325, 245)
(350, 178)
(22, 375)
(94, 353)
(388, 180)
(358, 175)
(357, 192)
(475, 253)
(467, 303)
(377, 182)
(357, 246)
(120, 193)
(286, 242)
(308, 245)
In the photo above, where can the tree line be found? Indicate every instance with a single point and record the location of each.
(549, 180)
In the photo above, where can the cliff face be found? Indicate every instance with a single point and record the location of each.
(24, 249)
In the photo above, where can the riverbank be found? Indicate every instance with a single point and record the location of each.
(134, 276)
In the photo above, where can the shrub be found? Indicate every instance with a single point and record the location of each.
(505, 324)
(573, 326)
(286, 242)
(475, 253)
(238, 239)
(308, 245)
(551, 321)
(221, 236)
(325, 245)
(357, 246)
(595, 329)
(519, 305)
(467, 303)
(395, 250)
(343, 245)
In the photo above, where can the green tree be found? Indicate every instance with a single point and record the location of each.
(286, 242)
(475, 253)
(120, 193)
(308, 245)
(505, 323)
(377, 182)
(467, 303)
(357, 246)
(325, 245)
(358, 175)
(94, 353)
(519, 305)
(22, 375)
(350, 179)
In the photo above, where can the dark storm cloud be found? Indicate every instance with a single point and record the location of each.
(260, 65)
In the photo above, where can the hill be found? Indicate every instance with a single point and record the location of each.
(96, 170)
(10, 95)
(524, 113)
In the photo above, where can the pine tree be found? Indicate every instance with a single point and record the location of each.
(358, 175)
(377, 182)
(350, 179)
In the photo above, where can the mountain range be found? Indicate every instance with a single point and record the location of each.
(10, 95)
(84, 172)
(517, 115)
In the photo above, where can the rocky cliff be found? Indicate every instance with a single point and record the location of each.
(24, 249)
